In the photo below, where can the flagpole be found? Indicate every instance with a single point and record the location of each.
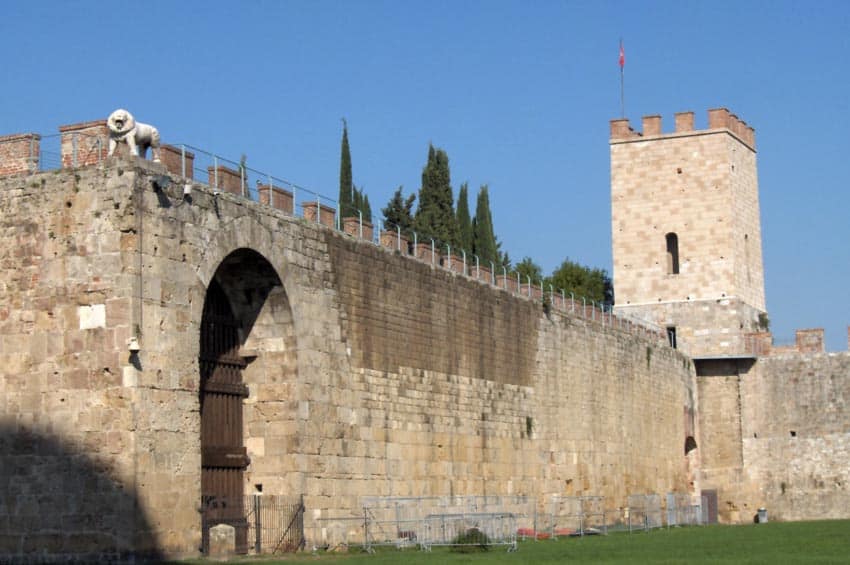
(622, 62)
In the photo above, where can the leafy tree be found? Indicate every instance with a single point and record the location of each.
(590, 283)
(346, 184)
(435, 216)
(399, 211)
(464, 223)
(483, 238)
(528, 268)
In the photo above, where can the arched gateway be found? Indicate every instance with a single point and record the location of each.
(246, 315)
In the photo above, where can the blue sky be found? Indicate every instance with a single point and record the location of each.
(518, 93)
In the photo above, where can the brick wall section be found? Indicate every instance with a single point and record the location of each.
(19, 153)
(810, 341)
(173, 159)
(86, 143)
(228, 179)
(276, 197)
(394, 240)
(327, 214)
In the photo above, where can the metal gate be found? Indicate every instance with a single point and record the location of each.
(223, 456)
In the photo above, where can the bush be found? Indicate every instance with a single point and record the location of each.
(471, 540)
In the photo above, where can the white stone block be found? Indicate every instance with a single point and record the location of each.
(93, 316)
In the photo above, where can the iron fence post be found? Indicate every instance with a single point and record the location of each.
(258, 526)
(398, 238)
(360, 215)
(215, 171)
(318, 208)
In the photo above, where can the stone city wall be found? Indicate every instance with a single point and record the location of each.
(369, 373)
(796, 443)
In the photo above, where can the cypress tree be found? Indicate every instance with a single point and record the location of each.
(435, 216)
(346, 184)
(360, 203)
(366, 208)
(399, 212)
(483, 237)
(464, 223)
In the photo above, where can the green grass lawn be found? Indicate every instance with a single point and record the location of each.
(792, 542)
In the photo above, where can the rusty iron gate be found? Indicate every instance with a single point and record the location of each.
(223, 455)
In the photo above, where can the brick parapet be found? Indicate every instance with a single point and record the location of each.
(278, 198)
(177, 160)
(354, 227)
(326, 214)
(225, 179)
(392, 239)
(810, 340)
(86, 143)
(19, 153)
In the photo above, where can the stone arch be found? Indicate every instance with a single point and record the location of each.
(245, 292)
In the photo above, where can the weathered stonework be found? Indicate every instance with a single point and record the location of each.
(374, 372)
(369, 373)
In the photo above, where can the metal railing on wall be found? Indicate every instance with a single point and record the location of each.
(199, 166)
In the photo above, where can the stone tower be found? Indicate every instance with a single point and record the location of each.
(686, 231)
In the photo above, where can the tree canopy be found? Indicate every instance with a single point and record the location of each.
(435, 216)
(528, 269)
(591, 283)
(399, 212)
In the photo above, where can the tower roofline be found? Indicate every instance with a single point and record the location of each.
(720, 120)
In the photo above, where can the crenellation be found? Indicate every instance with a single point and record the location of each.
(651, 125)
(684, 122)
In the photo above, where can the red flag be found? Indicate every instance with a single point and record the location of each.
(622, 55)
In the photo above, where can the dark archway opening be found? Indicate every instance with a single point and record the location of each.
(690, 444)
(246, 319)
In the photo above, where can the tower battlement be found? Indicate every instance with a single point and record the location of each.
(718, 119)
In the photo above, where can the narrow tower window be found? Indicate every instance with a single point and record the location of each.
(671, 336)
(672, 254)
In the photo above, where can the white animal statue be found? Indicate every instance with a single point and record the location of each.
(138, 136)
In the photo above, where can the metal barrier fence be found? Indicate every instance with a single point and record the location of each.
(644, 512)
(263, 523)
(438, 520)
(482, 529)
(681, 511)
(576, 516)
